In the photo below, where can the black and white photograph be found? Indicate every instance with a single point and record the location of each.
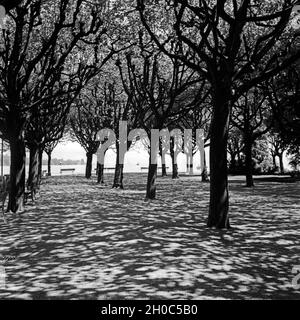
(150, 150)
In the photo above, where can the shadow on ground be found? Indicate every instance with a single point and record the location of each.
(81, 240)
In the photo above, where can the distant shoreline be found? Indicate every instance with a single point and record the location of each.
(80, 169)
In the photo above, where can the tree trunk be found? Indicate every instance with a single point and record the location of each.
(151, 187)
(174, 170)
(204, 174)
(152, 169)
(191, 169)
(248, 161)
(34, 165)
(40, 164)
(274, 163)
(163, 160)
(163, 165)
(189, 165)
(89, 163)
(232, 162)
(17, 173)
(118, 178)
(100, 171)
(163, 170)
(281, 163)
(240, 161)
(49, 154)
(119, 167)
(100, 168)
(219, 195)
(174, 160)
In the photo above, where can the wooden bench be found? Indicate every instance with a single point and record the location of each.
(67, 170)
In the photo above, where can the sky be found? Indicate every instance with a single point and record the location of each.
(69, 150)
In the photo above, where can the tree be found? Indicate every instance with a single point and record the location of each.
(199, 118)
(232, 45)
(294, 152)
(122, 112)
(90, 113)
(235, 149)
(36, 29)
(251, 116)
(277, 148)
(158, 87)
(49, 147)
(46, 119)
(262, 159)
(10, 4)
(44, 130)
(284, 97)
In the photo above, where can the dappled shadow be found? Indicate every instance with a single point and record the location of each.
(82, 240)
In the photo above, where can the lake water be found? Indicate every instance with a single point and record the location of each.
(80, 169)
(134, 161)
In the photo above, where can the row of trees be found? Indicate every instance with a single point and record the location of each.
(43, 69)
(228, 67)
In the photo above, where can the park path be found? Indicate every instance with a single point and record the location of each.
(81, 240)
